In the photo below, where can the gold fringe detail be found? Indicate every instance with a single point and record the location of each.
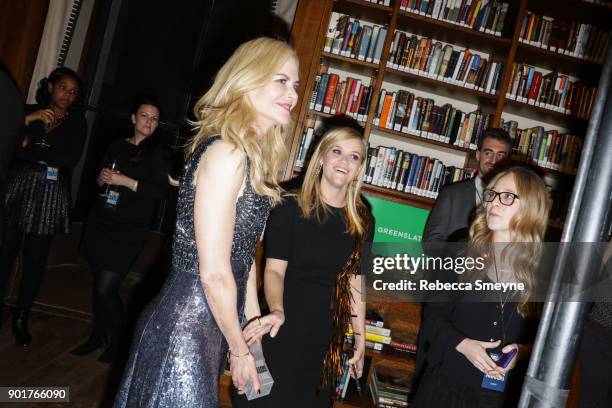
(342, 298)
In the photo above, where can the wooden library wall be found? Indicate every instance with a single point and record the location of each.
(21, 27)
(424, 79)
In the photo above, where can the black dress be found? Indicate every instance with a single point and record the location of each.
(315, 254)
(450, 380)
(178, 352)
(114, 236)
(37, 198)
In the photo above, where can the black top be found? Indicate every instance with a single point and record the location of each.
(135, 208)
(315, 253)
(65, 142)
(476, 316)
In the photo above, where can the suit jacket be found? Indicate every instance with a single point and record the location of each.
(452, 211)
(11, 123)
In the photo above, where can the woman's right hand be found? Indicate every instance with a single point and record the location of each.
(259, 326)
(46, 116)
(476, 352)
(243, 370)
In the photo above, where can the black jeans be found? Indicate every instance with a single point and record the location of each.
(35, 250)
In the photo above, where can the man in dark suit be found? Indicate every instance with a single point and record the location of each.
(450, 216)
(11, 121)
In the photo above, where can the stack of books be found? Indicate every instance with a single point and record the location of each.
(340, 96)
(390, 387)
(407, 172)
(425, 57)
(545, 148)
(352, 38)
(571, 38)
(553, 91)
(404, 112)
(482, 15)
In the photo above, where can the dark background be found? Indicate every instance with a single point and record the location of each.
(171, 49)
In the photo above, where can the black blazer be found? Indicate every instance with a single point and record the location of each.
(452, 211)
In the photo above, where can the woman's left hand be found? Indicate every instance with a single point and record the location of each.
(356, 363)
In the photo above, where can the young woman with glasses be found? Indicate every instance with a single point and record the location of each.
(468, 334)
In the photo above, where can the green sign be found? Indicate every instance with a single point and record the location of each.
(396, 222)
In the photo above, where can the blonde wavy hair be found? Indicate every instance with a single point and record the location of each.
(226, 110)
(310, 198)
(527, 228)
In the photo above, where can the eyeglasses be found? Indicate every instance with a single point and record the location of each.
(505, 197)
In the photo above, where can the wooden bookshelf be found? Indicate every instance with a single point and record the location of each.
(310, 26)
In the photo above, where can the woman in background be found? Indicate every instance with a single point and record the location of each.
(229, 184)
(117, 226)
(508, 230)
(310, 239)
(37, 199)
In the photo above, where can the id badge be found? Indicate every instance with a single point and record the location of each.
(112, 199)
(492, 383)
(52, 174)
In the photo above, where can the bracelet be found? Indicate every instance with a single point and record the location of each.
(135, 185)
(230, 354)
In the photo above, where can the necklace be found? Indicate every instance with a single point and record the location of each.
(502, 304)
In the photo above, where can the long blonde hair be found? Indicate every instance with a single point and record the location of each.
(226, 110)
(527, 228)
(310, 198)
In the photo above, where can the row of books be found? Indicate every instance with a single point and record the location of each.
(565, 37)
(395, 169)
(378, 336)
(337, 96)
(548, 149)
(390, 386)
(482, 15)
(426, 57)
(403, 111)
(349, 37)
(552, 91)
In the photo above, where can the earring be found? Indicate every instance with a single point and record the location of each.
(319, 170)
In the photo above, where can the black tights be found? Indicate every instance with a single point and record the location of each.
(107, 305)
(35, 253)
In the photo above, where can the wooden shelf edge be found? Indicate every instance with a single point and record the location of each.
(441, 23)
(492, 97)
(329, 115)
(367, 4)
(423, 139)
(350, 60)
(398, 196)
(552, 54)
(548, 112)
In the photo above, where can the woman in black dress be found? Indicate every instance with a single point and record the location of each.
(308, 241)
(37, 198)
(117, 225)
(466, 335)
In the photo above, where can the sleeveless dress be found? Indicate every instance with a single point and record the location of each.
(178, 352)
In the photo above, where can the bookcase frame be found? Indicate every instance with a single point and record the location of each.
(308, 35)
(312, 16)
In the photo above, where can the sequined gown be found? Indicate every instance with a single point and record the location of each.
(178, 352)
